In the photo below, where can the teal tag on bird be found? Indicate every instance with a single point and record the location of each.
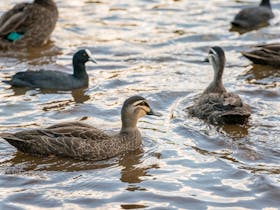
(13, 36)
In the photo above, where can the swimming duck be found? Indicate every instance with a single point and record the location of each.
(56, 80)
(82, 141)
(253, 16)
(216, 105)
(267, 54)
(27, 24)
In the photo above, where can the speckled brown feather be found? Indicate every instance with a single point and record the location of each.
(221, 108)
(36, 22)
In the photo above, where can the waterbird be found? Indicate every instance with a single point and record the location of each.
(28, 24)
(253, 16)
(82, 141)
(56, 80)
(266, 54)
(216, 105)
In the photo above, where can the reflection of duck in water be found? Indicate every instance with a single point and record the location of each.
(267, 54)
(82, 141)
(133, 169)
(56, 80)
(79, 95)
(253, 16)
(263, 75)
(216, 105)
(28, 24)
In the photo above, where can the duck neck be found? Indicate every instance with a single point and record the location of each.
(79, 69)
(265, 3)
(130, 136)
(217, 84)
(128, 125)
(46, 3)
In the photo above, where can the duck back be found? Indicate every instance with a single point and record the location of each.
(220, 108)
(33, 22)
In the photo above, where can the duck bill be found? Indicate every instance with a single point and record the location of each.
(151, 112)
(90, 57)
(92, 60)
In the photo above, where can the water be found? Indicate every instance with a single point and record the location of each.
(154, 49)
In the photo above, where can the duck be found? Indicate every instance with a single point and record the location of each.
(216, 105)
(253, 16)
(56, 80)
(82, 141)
(266, 54)
(28, 25)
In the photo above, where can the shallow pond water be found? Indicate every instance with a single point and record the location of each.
(155, 49)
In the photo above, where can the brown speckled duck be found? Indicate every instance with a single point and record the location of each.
(216, 105)
(267, 54)
(82, 141)
(28, 24)
(253, 16)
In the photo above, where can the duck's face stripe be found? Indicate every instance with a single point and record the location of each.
(212, 55)
(90, 57)
(88, 53)
(142, 104)
(213, 51)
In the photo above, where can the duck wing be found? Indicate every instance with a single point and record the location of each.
(221, 108)
(76, 140)
(12, 19)
(265, 54)
(272, 46)
(69, 124)
(219, 101)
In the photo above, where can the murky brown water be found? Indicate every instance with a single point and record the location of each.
(155, 49)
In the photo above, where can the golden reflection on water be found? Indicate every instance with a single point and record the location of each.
(263, 75)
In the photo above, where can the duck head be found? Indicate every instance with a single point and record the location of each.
(265, 3)
(79, 60)
(216, 57)
(134, 108)
(83, 56)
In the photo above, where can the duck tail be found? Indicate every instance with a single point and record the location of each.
(7, 82)
(235, 118)
(250, 55)
(239, 23)
(20, 144)
(258, 59)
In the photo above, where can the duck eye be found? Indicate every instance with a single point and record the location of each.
(143, 103)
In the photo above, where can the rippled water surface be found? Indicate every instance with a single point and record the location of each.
(155, 49)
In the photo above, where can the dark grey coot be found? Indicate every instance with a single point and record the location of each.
(253, 16)
(56, 80)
